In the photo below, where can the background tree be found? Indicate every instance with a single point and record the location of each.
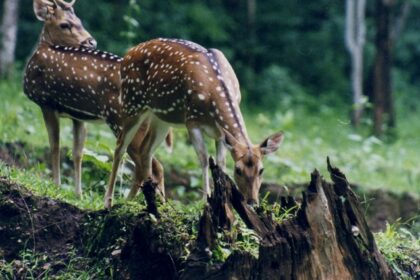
(8, 30)
(284, 52)
(388, 30)
(252, 33)
(355, 34)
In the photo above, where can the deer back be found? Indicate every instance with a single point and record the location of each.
(182, 82)
(78, 82)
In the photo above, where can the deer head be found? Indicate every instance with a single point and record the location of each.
(248, 163)
(61, 25)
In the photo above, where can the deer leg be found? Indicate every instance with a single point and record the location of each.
(159, 176)
(147, 166)
(52, 122)
(135, 151)
(197, 140)
(221, 154)
(141, 173)
(79, 136)
(128, 132)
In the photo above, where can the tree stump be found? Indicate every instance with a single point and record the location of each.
(328, 238)
(149, 190)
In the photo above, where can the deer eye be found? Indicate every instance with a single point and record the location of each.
(261, 171)
(238, 171)
(65, 25)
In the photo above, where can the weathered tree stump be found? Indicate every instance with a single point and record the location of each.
(328, 238)
(149, 190)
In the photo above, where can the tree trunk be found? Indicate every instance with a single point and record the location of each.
(355, 40)
(8, 30)
(384, 114)
(251, 33)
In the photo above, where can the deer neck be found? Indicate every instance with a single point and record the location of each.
(228, 117)
(45, 38)
(225, 98)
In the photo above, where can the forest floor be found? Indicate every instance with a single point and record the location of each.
(384, 172)
(48, 237)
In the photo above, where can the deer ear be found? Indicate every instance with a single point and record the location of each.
(43, 9)
(272, 143)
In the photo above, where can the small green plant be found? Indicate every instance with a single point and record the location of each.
(278, 213)
(401, 250)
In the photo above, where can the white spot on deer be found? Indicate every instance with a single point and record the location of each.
(201, 96)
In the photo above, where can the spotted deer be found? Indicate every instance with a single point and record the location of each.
(173, 82)
(68, 77)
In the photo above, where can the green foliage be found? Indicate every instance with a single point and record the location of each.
(275, 211)
(312, 132)
(239, 238)
(300, 36)
(131, 21)
(277, 89)
(401, 250)
(37, 266)
(312, 135)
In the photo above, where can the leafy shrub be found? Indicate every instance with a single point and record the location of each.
(276, 88)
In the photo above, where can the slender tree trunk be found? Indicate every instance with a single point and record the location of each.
(8, 30)
(384, 114)
(252, 39)
(355, 40)
(252, 10)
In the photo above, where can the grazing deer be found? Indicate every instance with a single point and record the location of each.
(67, 77)
(170, 82)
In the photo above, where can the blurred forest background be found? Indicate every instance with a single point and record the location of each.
(296, 72)
(340, 78)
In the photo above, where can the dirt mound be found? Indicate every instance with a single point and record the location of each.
(37, 223)
(124, 243)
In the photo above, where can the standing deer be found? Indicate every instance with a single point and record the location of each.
(67, 77)
(171, 82)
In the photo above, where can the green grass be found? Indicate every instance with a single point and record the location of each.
(366, 160)
(401, 250)
(39, 183)
(310, 136)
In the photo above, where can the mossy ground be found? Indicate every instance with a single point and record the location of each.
(103, 239)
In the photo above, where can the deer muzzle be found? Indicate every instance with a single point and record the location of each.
(89, 43)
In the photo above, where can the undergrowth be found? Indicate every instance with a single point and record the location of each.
(34, 266)
(401, 250)
(312, 132)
